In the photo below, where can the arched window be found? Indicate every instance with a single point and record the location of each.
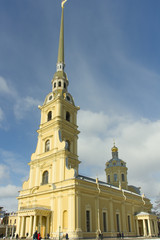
(47, 145)
(59, 84)
(64, 85)
(68, 145)
(88, 221)
(49, 116)
(123, 177)
(68, 116)
(55, 85)
(45, 177)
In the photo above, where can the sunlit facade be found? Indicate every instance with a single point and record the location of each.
(56, 199)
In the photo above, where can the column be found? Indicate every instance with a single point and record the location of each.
(50, 175)
(62, 168)
(40, 223)
(52, 223)
(52, 215)
(31, 177)
(47, 225)
(111, 217)
(133, 226)
(144, 228)
(37, 176)
(34, 223)
(18, 226)
(137, 227)
(30, 226)
(22, 227)
(71, 212)
(156, 227)
(54, 171)
(59, 213)
(59, 108)
(7, 231)
(149, 227)
(123, 219)
(78, 213)
(12, 230)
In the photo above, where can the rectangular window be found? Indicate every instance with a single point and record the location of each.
(123, 178)
(104, 222)
(88, 220)
(108, 178)
(129, 224)
(117, 221)
(115, 177)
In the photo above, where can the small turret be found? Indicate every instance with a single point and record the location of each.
(116, 170)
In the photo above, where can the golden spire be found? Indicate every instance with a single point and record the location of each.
(60, 60)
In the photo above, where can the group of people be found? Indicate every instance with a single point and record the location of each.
(37, 236)
(120, 235)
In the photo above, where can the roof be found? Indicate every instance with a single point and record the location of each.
(92, 180)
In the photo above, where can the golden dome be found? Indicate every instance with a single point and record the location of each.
(114, 149)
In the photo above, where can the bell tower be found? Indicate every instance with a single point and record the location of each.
(116, 170)
(55, 158)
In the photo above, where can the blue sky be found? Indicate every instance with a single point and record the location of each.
(112, 56)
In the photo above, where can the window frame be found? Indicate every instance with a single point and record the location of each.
(45, 177)
(47, 145)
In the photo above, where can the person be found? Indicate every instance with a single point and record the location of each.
(101, 236)
(67, 236)
(35, 235)
(39, 236)
(48, 235)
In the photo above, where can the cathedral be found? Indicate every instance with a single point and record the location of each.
(56, 200)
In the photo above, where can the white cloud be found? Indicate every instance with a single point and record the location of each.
(21, 106)
(10, 204)
(4, 173)
(138, 143)
(9, 191)
(8, 197)
(7, 87)
(13, 163)
(4, 86)
(24, 106)
(1, 116)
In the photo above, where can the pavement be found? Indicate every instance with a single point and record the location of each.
(108, 238)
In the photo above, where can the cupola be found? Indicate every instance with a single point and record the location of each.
(116, 170)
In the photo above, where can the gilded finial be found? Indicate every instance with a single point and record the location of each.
(63, 2)
(114, 148)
